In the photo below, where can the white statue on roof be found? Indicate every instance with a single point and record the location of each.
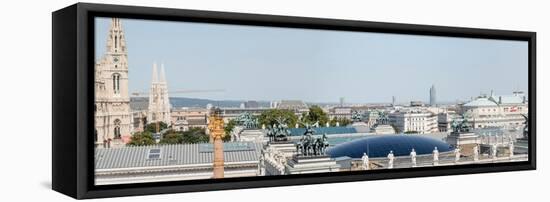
(494, 151)
(391, 157)
(436, 156)
(457, 154)
(413, 157)
(365, 160)
(476, 153)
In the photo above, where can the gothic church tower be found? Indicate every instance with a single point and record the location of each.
(112, 103)
(159, 102)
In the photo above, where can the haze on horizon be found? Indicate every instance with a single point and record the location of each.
(268, 63)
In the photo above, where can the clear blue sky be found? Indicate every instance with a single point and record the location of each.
(268, 63)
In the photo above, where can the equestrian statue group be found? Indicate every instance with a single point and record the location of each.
(311, 146)
(460, 126)
(278, 132)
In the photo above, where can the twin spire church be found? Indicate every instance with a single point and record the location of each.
(159, 103)
(113, 116)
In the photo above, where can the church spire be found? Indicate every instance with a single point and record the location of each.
(162, 75)
(116, 43)
(155, 77)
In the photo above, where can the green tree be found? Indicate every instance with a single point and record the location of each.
(195, 135)
(172, 137)
(271, 116)
(229, 127)
(315, 114)
(152, 127)
(142, 138)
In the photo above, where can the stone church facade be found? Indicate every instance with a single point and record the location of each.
(112, 103)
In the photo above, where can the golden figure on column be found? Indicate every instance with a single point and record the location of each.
(215, 126)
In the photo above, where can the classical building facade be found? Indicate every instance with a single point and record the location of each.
(496, 111)
(159, 102)
(112, 104)
(185, 118)
(414, 120)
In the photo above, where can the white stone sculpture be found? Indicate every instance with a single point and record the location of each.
(436, 156)
(391, 158)
(365, 160)
(413, 157)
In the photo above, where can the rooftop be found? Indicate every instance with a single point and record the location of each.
(380, 146)
(480, 102)
(170, 155)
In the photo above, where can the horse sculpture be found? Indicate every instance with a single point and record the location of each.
(311, 146)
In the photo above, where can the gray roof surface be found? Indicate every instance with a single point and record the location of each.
(173, 155)
(480, 102)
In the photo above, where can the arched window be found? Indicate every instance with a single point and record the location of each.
(116, 83)
(116, 42)
(117, 129)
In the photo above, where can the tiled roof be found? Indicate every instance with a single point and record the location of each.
(173, 155)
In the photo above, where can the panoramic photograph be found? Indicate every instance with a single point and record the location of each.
(177, 101)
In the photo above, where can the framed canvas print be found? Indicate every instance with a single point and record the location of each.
(156, 100)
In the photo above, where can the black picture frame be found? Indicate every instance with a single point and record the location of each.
(73, 93)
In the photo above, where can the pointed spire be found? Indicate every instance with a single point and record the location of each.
(116, 41)
(162, 75)
(155, 77)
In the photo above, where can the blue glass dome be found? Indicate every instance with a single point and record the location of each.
(381, 145)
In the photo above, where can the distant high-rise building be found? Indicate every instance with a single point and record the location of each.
(392, 100)
(432, 96)
(341, 101)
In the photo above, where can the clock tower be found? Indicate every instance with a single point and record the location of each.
(112, 102)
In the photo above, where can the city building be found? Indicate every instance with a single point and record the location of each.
(251, 104)
(113, 121)
(496, 111)
(184, 118)
(159, 102)
(416, 104)
(414, 121)
(340, 112)
(297, 106)
(445, 119)
(231, 113)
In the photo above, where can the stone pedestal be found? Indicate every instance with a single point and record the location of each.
(311, 164)
(287, 148)
(252, 135)
(466, 141)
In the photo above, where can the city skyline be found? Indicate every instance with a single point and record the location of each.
(316, 65)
